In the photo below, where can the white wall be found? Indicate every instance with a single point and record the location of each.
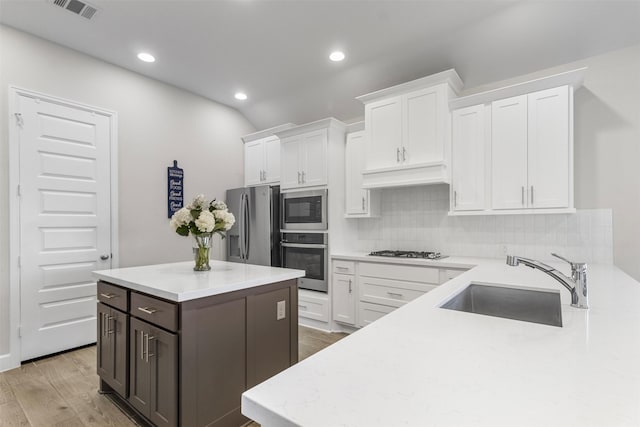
(607, 184)
(157, 124)
(415, 218)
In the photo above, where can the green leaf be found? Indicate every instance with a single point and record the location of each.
(195, 213)
(183, 230)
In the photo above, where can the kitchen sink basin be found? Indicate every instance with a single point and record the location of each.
(525, 304)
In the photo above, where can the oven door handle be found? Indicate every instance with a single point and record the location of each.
(303, 245)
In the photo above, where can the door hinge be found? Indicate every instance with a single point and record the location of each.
(19, 119)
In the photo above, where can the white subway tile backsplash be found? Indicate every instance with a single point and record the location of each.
(415, 218)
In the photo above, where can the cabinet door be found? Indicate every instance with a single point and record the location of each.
(509, 153)
(314, 158)
(344, 307)
(423, 126)
(271, 160)
(139, 370)
(355, 161)
(384, 131)
(468, 155)
(290, 167)
(253, 162)
(118, 333)
(548, 148)
(104, 362)
(162, 347)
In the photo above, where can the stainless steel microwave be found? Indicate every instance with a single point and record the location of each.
(304, 210)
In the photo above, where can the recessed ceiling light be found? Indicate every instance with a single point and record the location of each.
(241, 96)
(146, 57)
(336, 56)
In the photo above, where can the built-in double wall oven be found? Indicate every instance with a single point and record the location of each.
(304, 237)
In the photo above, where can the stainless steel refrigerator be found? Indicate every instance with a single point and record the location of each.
(255, 237)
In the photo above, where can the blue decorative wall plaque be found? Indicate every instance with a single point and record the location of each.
(175, 182)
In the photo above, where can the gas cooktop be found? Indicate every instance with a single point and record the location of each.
(408, 254)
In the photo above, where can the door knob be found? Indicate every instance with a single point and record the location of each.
(104, 257)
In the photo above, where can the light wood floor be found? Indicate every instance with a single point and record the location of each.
(62, 390)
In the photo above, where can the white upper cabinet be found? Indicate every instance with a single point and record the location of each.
(262, 157)
(527, 144)
(549, 149)
(468, 158)
(509, 153)
(408, 132)
(531, 151)
(359, 202)
(304, 153)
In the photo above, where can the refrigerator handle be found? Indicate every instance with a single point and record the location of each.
(241, 226)
(247, 230)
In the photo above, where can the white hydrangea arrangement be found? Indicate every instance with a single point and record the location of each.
(200, 217)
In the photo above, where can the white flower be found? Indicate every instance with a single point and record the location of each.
(219, 205)
(206, 222)
(198, 203)
(226, 219)
(180, 218)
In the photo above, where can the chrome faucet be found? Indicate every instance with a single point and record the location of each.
(576, 284)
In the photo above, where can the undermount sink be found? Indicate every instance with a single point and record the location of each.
(526, 304)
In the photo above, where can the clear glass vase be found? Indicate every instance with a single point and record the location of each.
(201, 251)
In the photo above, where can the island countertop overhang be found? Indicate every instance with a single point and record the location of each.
(178, 282)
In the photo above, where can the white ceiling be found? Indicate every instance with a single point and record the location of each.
(276, 50)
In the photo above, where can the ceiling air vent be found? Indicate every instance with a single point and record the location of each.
(76, 6)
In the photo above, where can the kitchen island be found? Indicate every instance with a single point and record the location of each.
(425, 365)
(179, 346)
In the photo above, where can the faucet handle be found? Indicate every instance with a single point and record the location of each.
(575, 266)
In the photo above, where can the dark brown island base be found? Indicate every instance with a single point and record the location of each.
(188, 362)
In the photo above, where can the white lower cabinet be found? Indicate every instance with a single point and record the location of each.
(313, 305)
(364, 291)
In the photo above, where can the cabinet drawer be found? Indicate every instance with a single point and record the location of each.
(112, 295)
(313, 308)
(400, 272)
(368, 313)
(390, 292)
(344, 267)
(155, 311)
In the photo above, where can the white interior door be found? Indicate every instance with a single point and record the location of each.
(65, 222)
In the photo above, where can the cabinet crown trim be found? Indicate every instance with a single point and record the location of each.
(355, 127)
(450, 77)
(573, 78)
(308, 127)
(266, 132)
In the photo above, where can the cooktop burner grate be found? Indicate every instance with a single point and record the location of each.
(408, 254)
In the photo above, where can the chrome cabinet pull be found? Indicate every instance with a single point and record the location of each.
(108, 296)
(349, 285)
(395, 294)
(304, 180)
(104, 257)
(109, 319)
(398, 155)
(363, 203)
(532, 195)
(455, 199)
(102, 329)
(299, 182)
(338, 267)
(304, 307)
(147, 310)
(523, 195)
(404, 154)
(147, 354)
(141, 345)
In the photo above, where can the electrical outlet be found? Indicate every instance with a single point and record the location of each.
(282, 310)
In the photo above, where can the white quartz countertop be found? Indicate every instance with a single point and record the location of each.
(426, 366)
(178, 282)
